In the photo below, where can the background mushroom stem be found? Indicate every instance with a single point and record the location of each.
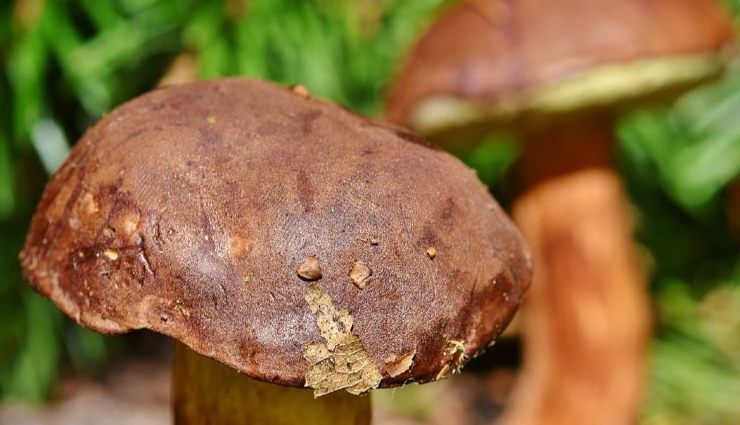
(586, 324)
(208, 392)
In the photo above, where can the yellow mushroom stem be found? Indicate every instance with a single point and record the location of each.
(586, 320)
(208, 392)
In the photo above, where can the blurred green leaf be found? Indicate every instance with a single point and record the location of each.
(7, 180)
(695, 373)
(26, 69)
(36, 366)
(493, 157)
(86, 349)
(693, 149)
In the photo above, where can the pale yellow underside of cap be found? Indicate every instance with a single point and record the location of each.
(597, 87)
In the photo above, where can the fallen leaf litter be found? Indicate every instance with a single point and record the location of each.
(340, 362)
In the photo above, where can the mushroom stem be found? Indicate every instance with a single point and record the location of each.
(586, 321)
(208, 392)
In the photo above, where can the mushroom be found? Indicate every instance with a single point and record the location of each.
(556, 74)
(228, 214)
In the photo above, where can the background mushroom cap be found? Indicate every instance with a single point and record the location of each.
(493, 59)
(189, 210)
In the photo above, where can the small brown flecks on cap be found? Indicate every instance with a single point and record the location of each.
(360, 274)
(432, 252)
(300, 90)
(310, 269)
(372, 240)
(111, 254)
(211, 119)
(128, 223)
(89, 205)
(184, 311)
(238, 246)
(74, 222)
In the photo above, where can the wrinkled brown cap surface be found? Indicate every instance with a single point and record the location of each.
(484, 49)
(190, 209)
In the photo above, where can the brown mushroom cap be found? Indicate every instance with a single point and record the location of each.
(190, 209)
(487, 59)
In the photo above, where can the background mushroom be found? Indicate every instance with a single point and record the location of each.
(558, 74)
(280, 239)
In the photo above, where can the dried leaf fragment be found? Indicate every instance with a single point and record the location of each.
(310, 269)
(396, 365)
(359, 273)
(341, 362)
(442, 372)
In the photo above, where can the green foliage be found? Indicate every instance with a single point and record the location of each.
(677, 163)
(693, 148)
(493, 157)
(695, 368)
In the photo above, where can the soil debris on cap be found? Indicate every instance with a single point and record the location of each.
(371, 240)
(341, 362)
(111, 254)
(442, 372)
(310, 269)
(432, 252)
(211, 119)
(396, 365)
(360, 274)
(455, 347)
(456, 353)
(300, 90)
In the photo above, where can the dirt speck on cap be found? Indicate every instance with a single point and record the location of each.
(432, 252)
(111, 254)
(360, 274)
(300, 90)
(372, 240)
(442, 372)
(310, 269)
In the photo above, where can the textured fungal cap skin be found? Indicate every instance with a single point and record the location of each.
(486, 49)
(188, 211)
